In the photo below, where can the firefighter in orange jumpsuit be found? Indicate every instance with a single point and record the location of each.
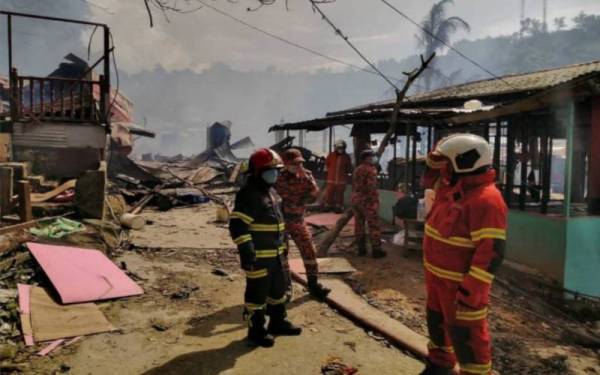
(297, 187)
(338, 165)
(365, 203)
(464, 242)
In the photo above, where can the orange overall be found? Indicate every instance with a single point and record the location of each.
(464, 241)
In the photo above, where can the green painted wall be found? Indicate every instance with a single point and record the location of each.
(582, 266)
(537, 241)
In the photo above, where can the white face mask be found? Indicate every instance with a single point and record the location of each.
(270, 176)
(374, 160)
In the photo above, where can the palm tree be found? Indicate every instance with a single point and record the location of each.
(437, 32)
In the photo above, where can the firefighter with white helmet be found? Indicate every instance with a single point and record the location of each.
(257, 228)
(464, 242)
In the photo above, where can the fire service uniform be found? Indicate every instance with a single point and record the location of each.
(297, 187)
(257, 228)
(464, 242)
(365, 204)
(338, 165)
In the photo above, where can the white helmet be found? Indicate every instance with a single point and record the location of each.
(340, 143)
(467, 152)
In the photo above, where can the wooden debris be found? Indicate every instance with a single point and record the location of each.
(25, 201)
(6, 190)
(43, 197)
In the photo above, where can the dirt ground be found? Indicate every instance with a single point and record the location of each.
(166, 332)
(523, 343)
(189, 321)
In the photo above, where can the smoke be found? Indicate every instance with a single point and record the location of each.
(39, 46)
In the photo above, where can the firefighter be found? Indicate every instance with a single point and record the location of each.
(463, 247)
(297, 187)
(365, 203)
(338, 166)
(257, 228)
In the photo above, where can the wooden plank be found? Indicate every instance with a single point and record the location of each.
(43, 197)
(5, 140)
(350, 304)
(6, 189)
(336, 265)
(235, 173)
(24, 188)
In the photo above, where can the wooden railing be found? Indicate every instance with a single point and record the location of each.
(34, 99)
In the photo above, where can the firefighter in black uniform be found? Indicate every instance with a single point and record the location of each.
(257, 228)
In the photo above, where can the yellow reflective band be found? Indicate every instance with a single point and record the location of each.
(243, 217)
(253, 306)
(474, 368)
(241, 239)
(256, 274)
(267, 227)
(269, 253)
(472, 315)
(454, 241)
(481, 275)
(279, 301)
(447, 349)
(482, 233)
(444, 274)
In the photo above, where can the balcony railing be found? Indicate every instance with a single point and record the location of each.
(34, 99)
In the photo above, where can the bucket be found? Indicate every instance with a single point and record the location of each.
(222, 214)
(132, 221)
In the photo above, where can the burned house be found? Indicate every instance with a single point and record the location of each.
(544, 128)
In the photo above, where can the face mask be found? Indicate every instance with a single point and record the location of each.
(270, 176)
(374, 160)
(339, 150)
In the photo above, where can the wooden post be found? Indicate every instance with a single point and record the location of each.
(25, 201)
(6, 189)
(510, 162)
(523, 163)
(570, 124)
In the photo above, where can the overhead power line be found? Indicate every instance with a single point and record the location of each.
(350, 44)
(291, 43)
(428, 32)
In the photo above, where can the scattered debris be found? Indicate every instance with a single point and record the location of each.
(335, 366)
(184, 293)
(160, 325)
(219, 272)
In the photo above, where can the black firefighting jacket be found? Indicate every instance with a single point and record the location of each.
(256, 224)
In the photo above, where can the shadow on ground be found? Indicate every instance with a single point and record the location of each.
(208, 362)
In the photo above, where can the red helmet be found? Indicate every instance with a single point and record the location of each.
(264, 158)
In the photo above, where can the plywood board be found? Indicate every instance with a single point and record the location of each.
(4, 147)
(51, 321)
(82, 275)
(326, 265)
(326, 220)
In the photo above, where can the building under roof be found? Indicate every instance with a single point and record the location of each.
(544, 127)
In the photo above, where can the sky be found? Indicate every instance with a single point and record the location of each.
(197, 40)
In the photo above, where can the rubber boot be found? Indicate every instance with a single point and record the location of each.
(433, 369)
(257, 334)
(378, 252)
(362, 247)
(279, 324)
(316, 289)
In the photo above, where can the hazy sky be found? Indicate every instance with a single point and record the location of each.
(202, 38)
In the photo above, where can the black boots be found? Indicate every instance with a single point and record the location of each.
(279, 324)
(361, 243)
(316, 289)
(257, 334)
(378, 252)
(432, 369)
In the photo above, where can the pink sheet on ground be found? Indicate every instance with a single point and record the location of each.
(82, 275)
(326, 219)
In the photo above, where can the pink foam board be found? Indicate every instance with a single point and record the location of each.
(82, 275)
(326, 219)
(50, 347)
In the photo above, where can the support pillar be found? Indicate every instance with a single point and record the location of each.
(594, 159)
(570, 124)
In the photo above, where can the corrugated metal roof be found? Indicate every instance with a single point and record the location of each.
(510, 84)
